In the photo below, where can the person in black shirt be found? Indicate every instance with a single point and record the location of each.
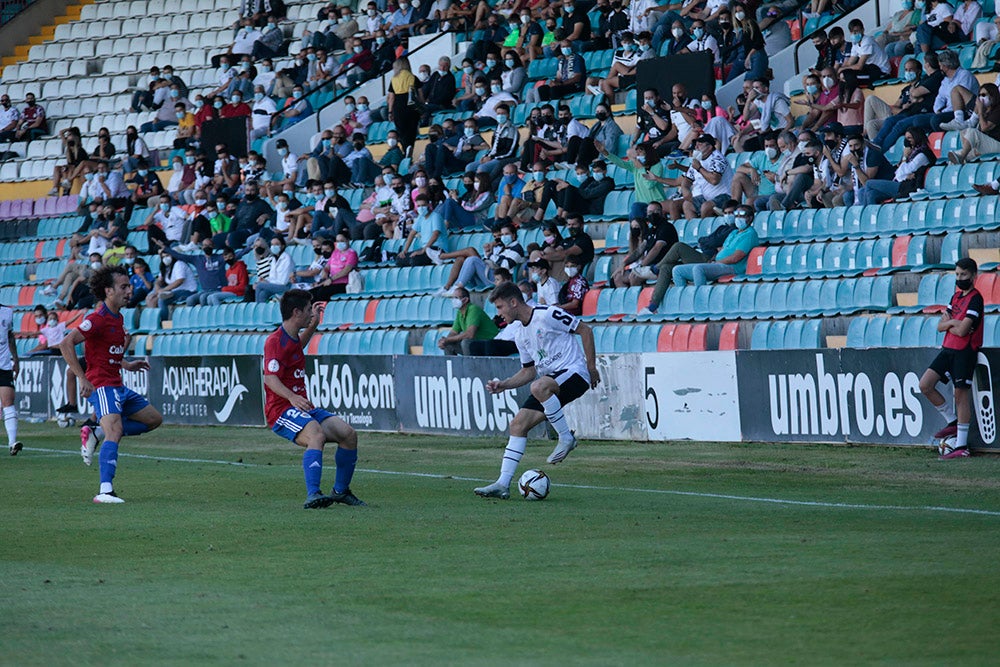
(649, 240)
(438, 92)
(576, 26)
(588, 195)
(577, 244)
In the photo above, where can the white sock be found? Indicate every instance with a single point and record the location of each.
(554, 413)
(960, 116)
(511, 457)
(106, 487)
(962, 438)
(99, 432)
(947, 411)
(10, 421)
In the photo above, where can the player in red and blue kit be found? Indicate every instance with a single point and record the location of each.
(120, 411)
(963, 336)
(289, 412)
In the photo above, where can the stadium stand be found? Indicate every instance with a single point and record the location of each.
(861, 276)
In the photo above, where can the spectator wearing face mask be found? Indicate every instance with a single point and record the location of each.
(237, 280)
(147, 185)
(427, 239)
(575, 288)
(471, 268)
(487, 114)
(166, 115)
(570, 78)
(360, 162)
(438, 92)
(341, 259)
(756, 177)
(175, 283)
(271, 42)
(210, 267)
(471, 324)
(296, 109)
(165, 223)
(279, 277)
(984, 137)
(588, 191)
(917, 96)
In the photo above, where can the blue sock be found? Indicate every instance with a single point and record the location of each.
(109, 461)
(346, 460)
(312, 466)
(132, 427)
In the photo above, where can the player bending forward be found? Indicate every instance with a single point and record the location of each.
(287, 406)
(963, 336)
(120, 411)
(544, 338)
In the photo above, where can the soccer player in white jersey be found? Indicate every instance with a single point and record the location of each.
(8, 373)
(558, 370)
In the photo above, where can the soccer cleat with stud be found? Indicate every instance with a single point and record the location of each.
(955, 453)
(110, 498)
(494, 490)
(562, 449)
(88, 444)
(347, 498)
(948, 431)
(15, 448)
(317, 501)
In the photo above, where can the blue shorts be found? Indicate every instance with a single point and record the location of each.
(292, 421)
(116, 401)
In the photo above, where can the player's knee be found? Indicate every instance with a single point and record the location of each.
(155, 421)
(927, 385)
(349, 440)
(543, 388)
(519, 425)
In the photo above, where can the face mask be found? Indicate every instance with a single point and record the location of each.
(598, 175)
(919, 4)
(856, 37)
(52, 323)
(909, 75)
(641, 159)
(217, 104)
(573, 231)
(127, 260)
(501, 118)
(828, 81)
(95, 265)
(907, 143)
(963, 284)
(740, 16)
(175, 93)
(571, 271)
(372, 12)
(265, 68)
(225, 67)
(706, 105)
(421, 181)
(200, 202)
(403, 6)
(399, 189)
(771, 152)
(362, 107)
(39, 320)
(525, 19)
(509, 62)
(907, 4)
(802, 145)
(469, 131)
(260, 251)
(143, 172)
(480, 91)
(220, 207)
(276, 250)
(698, 33)
(741, 223)
(649, 102)
(467, 70)
(392, 142)
(180, 115)
(282, 152)
(282, 206)
(985, 100)
(644, 47)
(208, 250)
(812, 89)
(496, 89)
(167, 261)
(330, 193)
(423, 211)
(311, 57)
(580, 178)
(549, 240)
(539, 176)
(164, 207)
(341, 246)
(568, 9)
(677, 33)
(379, 41)
(424, 76)
(456, 304)
(90, 177)
(358, 145)
(237, 100)
(628, 47)
(567, 50)
(297, 94)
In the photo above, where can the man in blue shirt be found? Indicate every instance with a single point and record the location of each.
(731, 258)
(431, 230)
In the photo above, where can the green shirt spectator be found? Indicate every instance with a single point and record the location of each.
(472, 316)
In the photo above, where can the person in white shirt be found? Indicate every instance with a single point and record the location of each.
(711, 178)
(867, 57)
(245, 38)
(176, 282)
(279, 280)
(9, 119)
(546, 287)
(263, 109)
(489, 109)
(289, 170)
(265, 76)
(703, 41)
(917, 157)
(223, 76)
(558, 370)
(944, 25)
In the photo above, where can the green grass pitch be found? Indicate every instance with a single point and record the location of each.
(643, 554)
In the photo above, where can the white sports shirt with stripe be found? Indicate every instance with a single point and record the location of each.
(548, 342)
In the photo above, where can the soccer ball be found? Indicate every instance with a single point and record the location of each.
(945, 445)
(534, 485)
(65, 421)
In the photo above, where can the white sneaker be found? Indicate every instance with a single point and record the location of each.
(594, 90)
(646, 312)
(434, 254)
(954, 125)
(562, 449)
(494, 490)
(108, 498)
(88, 443)
(49, 290)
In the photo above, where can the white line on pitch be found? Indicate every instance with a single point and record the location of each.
(589, 487)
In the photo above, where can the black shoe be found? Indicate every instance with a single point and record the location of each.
(317, 501)
(347, 498)
(67, 409)
(15, 448)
